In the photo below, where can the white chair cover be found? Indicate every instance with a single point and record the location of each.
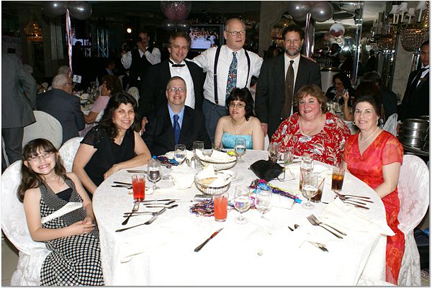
(266, 142)
(134, 92)
(413, 191)
(391, 124)
(14, 226)
(46, 126)
(67, 152)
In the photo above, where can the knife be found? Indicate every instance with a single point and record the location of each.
(137, 171)
(356, 205)
(350, 195)
(197, 249)
(159, 200)
(146, 223)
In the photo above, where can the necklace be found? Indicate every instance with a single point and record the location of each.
(310, 133)
(362, 141)
(237, 126)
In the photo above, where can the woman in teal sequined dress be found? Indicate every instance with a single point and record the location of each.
(240, 122)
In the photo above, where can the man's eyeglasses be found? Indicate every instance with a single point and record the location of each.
(174, 89)
(44, 155)
(236, 105)
(235, 33)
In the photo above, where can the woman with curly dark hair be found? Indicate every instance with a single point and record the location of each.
(59, 213)
(240, 122)
(112, 145)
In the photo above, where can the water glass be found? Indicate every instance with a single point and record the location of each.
(263, 201)
(306, 168)
(198, 145)
(273, 151)
(309, 189)
(242, 202)
(154, 173)
(180, 153)
(240, 148)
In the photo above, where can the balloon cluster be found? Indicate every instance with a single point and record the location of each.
(320, 11)
(176, 13)
(78, 9)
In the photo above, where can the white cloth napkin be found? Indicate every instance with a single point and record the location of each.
(183, 176)
(216, 156)
(350, 218)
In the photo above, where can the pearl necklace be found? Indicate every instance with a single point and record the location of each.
(362, 141)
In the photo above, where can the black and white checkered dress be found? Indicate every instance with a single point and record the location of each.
(75, 260)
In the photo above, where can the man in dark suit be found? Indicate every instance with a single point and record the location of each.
(280, 79)
(155, 81)
(415, 102)
(62, 105)
(19, 99)
(175, 123)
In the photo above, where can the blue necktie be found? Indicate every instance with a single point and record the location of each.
(232, 75)
(176, 128)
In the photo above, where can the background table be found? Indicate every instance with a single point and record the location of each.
(162, 253)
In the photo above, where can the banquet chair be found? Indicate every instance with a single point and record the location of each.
(266, 142)
(134, 92)
(46, 126)
(14, 226)
(391, 124)
(413, 191)
(68, 151)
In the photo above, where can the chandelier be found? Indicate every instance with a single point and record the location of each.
(33, 31)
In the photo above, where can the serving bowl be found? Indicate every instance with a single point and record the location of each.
(206, 186)
(219, 165)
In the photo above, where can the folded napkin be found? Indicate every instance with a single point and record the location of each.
(216, 156)
(279, 201)
(183, 176)
(349, 217)
(218, 179)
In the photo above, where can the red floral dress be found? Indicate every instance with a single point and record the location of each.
(327, 146)
(384, 150)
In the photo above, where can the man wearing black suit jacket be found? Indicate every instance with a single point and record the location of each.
(62, 105)
(415, 102)
(271, 88)
(160, 132)
(155, 81)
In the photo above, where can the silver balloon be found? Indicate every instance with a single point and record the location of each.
(183, 25)
(54, 8)
(168, 25)
(322, 11)
(79, 9)
(298, 9)
(176, 10)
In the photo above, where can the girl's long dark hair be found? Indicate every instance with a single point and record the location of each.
(30, 179)
(114, 102)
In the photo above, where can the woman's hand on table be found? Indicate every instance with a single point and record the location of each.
(111, 171)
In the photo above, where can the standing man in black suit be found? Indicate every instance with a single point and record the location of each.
(155, 81)
(175, 123)
(280, 79)
(62, 105)
(415, 102)
(140, 59)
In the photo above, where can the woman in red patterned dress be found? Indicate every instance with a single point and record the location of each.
(375, 157)
(312, 130)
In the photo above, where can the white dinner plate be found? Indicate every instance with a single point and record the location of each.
(235, 176)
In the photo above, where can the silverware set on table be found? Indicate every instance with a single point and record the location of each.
(316, 222)
(355, 200)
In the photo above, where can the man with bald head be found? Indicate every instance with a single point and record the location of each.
(226, 67)
(62, 105)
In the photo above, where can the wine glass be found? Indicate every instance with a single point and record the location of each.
(180, 153)
(240, 148)
(273, 151)
(241, 203)
(154, 173)
(309, 189)
(263, 201)
(198, 145)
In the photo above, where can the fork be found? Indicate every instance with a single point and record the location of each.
(313, 222)
(134, 209)
(347, 197)
(319, 222)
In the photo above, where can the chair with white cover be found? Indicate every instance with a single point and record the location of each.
(391, 124)
(266, 142)
(14, 226)
(413, 191)
(135, 93)
(68, 151)
(47, 127)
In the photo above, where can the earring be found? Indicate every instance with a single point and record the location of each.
(354, 123)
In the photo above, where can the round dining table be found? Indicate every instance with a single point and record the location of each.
(274, 250)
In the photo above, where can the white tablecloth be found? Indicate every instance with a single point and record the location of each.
(163, 253)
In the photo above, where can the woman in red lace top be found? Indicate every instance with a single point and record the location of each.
(312, 130)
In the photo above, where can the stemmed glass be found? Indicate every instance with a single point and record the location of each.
(273, 151)
(198, 145)
(180, 153)
(263, 201)
(241, 203)
(154, 173)
(309, 189)
(240, 148)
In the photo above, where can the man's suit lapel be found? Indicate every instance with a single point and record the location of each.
(419, 86)
(280, 74)
(168, 127)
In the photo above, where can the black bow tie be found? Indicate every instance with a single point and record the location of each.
(176, 65)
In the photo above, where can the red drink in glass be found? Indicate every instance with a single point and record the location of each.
(220, 207)
(138, 187)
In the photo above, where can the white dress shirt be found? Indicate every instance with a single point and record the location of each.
(206, 61)
(184, 73)
(154, 57)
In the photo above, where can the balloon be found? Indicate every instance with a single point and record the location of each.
(298, 9)
(79, 9)
(322, 11)
(183, 25)
(337, 30)
(176, 10)
(168, 25)
(54, 8)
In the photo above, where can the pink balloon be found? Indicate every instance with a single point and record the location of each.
(176, 10)
(170, 13)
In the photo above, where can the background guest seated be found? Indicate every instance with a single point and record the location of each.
(375, 157)
(112, 145)
(72, 236)
(341, 85)
(240, 122)
(175, 123)
(311, 130)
